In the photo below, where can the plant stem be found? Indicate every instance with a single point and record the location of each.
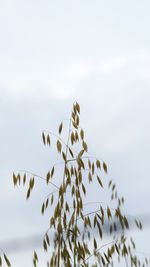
(59, 253)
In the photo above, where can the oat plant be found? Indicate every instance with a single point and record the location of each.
(79, 237)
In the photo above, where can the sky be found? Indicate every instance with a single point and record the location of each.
(53, 53)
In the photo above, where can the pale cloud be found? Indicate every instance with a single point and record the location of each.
(62, 83)
(78, 70)
(111, 65)
(60, 90)
(58, 84)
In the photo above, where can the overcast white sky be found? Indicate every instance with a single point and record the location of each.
(51, 54)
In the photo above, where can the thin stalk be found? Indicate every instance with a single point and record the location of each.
(59, 253)
(67, 146)
(75, 242)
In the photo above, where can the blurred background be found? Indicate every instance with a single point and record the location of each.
(53, 53)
